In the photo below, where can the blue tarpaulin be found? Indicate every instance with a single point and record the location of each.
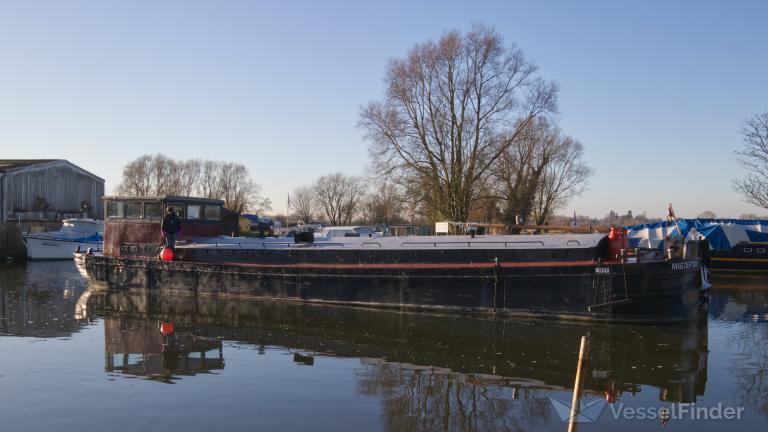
(723, 234)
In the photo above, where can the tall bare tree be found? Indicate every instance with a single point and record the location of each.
(303, 204)
(754, 158)
(538, 173)
(564, 178)
(452, 108)
(519, 171)
(339, 196)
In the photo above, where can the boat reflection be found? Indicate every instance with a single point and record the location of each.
(739, 298)
(142, 348)
(516, 356)
(38, 300)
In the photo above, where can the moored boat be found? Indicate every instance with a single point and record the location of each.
(737, 245)
(580, 276)
(75, 234)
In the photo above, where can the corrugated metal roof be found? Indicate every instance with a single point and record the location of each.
(12, 164)
(9, 165)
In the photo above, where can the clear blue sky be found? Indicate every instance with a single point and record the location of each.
(656, 91)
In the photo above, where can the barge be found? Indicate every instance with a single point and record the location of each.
(585, 276)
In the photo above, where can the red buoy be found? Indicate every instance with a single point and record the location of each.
(166, 254)
(166, 328)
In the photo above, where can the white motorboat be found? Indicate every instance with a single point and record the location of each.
(59, 245)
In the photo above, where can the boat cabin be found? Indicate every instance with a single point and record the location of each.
(135, 220)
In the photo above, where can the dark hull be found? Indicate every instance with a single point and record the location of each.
(649, 291)
(730, 264)
(746, 257)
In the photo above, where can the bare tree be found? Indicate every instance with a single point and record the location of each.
(707, 214)
(136, 180)
(239, 192)
(303, 203)
(210, 173)
(564, 177)
(188, 176)
(151, 175)
(452, 108)
(538, 173)
(383, 205)
(519, 171)
(754, 158)
(339, 195)
(160, 175)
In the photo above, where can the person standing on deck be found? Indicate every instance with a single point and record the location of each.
(170, 227)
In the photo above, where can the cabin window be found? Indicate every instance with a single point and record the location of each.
(134, 209)
(193, 211)
(212, 212)
(153, 210)
(760, 250)
(114, 209)
(748, 250)
(178, 208)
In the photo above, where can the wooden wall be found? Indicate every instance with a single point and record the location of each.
(63, 187)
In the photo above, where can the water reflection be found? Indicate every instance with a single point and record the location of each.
(435, 361)
(739, 298)
(38, 300)
(424, 371)
(745, 299)
(139, 347)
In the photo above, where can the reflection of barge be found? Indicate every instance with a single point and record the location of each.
(518, 354)
(573, 276)
(137, 347)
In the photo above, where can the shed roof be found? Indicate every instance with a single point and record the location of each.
(12, 164)
(167, 198)
(8, 165)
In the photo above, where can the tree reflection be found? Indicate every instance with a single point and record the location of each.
(429, 399)
(750, 367)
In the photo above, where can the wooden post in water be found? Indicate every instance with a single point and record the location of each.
(576, 402)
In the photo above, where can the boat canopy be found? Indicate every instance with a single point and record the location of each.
(723, 234)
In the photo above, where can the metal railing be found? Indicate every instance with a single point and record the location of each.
(471, 243)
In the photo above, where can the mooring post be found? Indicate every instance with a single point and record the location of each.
(576, 402)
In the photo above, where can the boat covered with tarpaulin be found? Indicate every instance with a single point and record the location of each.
(736, 244)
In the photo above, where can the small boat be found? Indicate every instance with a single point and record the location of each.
(74, 234)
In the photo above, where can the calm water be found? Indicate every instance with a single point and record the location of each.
(75, 355)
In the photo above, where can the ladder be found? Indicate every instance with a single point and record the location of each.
(605, 296)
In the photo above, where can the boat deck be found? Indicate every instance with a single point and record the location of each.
(565, 241)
